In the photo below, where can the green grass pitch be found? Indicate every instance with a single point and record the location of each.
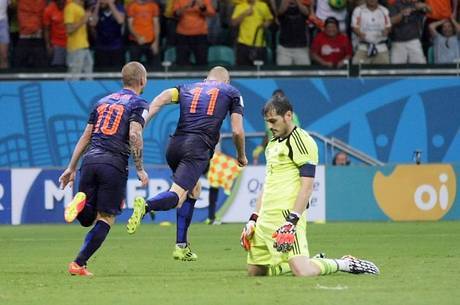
(420, 264)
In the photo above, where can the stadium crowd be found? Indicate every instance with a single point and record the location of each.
(79, 34)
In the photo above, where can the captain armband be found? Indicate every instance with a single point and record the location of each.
(307, 170)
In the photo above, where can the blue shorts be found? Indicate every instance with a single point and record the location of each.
(104, 186)
(188, 157)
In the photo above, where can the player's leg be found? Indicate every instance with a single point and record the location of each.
(93, 241)
(260, 256)
(184, 216)
(110, 194)
(298, 258)
(302, 265)
(257, 270)
(213, 195)
(81, 206)
(175, 155)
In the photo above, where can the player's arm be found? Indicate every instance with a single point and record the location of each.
(69, 174)
(249, 228)
(238, 137)
(166, 97)
(136, 143)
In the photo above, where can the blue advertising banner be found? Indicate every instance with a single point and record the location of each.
(387, 118)
(37, 198)
(5, 197)
(399, 193)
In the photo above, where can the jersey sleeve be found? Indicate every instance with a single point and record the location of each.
(139, 112)
(93, 116)
(237, 104)
(303, 148)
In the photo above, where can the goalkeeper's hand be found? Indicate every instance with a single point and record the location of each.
(248, 232)
(285, 235)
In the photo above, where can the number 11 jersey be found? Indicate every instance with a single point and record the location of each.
(203, 108)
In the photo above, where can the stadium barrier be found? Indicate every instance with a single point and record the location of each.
(349, 193)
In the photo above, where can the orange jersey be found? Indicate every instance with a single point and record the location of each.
(440, 9)
(54, 19)
(142, 15)
(193, 20)
(30, 16)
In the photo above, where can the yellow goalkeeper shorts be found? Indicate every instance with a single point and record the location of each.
(262, 251)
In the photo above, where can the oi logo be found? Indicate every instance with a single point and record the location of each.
(416, 192)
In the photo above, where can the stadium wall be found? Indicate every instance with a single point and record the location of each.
(354, 193)
(387, 118)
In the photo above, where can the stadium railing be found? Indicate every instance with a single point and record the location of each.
(259, 70)
(330, 146)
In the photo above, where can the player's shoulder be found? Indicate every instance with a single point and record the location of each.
(138, 100)
(302, 138)
(230, 90)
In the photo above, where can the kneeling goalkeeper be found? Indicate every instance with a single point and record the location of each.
(275, 235)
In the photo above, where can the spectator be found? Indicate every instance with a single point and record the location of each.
(192, 30)
(407, 18)
(445, 44)
(144, 29)
(108, 18)
(4, 34)
(341, 159)
(55, 33)
(252, 17)
(330, 48)
(79, 59)
(219, 25)
(440, 10)
(371, 23)
(293, 48)
(324, 10)
(30, 50)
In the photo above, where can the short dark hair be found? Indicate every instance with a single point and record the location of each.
(279, 104)
(278, 92)
(331, 20)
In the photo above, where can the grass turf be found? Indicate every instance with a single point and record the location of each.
(420, 264)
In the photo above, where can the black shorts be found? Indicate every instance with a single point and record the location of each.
(188, 157)
(104, 186)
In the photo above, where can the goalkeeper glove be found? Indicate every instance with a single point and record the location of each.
(248, 232)
(285, 235)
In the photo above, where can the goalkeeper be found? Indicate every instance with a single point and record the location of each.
(268, 134)
(275, 236)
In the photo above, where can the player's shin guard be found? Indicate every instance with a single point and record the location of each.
(184, 218)
(162, 202)
(93, 241)
(326, 265)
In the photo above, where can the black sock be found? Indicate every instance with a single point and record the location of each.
(184, 218)
(213, 192)
(162, 202)
(93, 241)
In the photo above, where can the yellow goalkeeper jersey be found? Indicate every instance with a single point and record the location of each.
(284, 157)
